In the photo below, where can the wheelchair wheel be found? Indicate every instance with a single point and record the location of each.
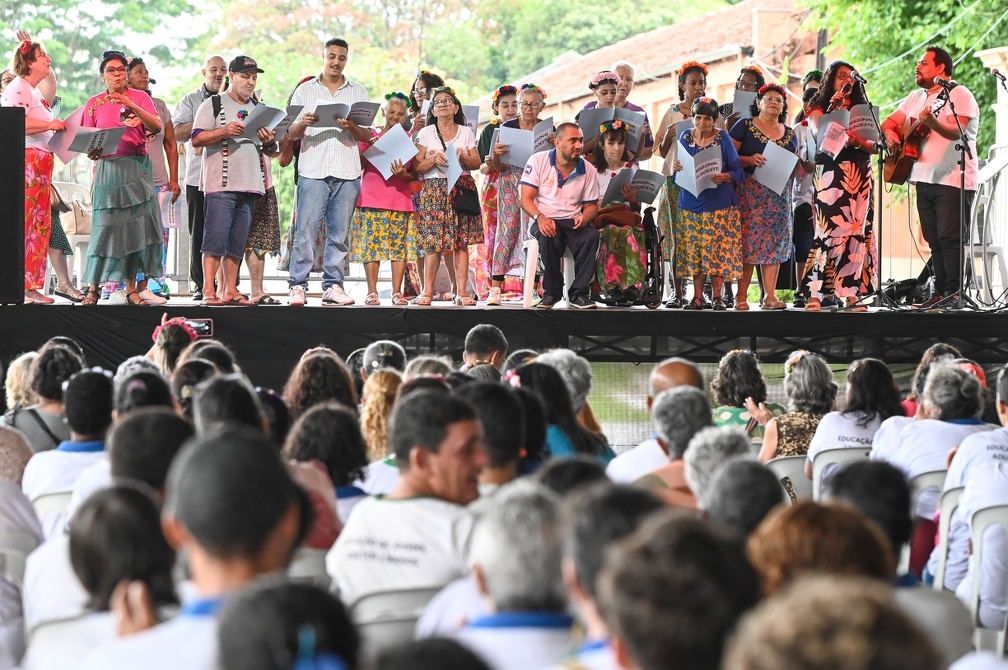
(651, 296)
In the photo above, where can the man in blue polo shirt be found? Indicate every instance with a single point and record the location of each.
(561, 195)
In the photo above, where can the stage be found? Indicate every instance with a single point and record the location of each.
(269, 340)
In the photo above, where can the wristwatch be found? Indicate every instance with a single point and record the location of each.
(535, 219)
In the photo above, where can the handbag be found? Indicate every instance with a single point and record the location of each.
(78, 220)
(464, 200)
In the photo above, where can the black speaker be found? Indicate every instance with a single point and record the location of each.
(12, 204)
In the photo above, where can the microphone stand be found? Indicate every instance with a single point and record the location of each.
(962, 146)
(882, 299)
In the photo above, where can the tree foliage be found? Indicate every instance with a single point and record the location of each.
(871, 33)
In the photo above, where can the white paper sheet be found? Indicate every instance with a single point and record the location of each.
(519, 144)
(648, 185)
(777, 170)
(698, 171)
(88, 139)
(472, 117)
(60, 142)
(454, 169)
(361, 113)
(862, 122)
(262, 116)
(393, 145)
(742, 103)
(614, 191)
(833, 138)
(541, 135)
(589, 121)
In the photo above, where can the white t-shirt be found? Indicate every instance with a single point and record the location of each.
(389, 545)
(55, 471)
(987, 486)
(381, 477)
(51, 589)
(186, 641)
(520, 640)
(451, 609)
(19, 93)
(634, 463)
(244, 160)
(96, 476)
(63, 644)
(427, 138)
(596, 655)
(840, 431)
(923, 446)
(17, 515)
(939, 159)
(980, 660)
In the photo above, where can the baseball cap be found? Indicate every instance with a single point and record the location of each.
(244, 64)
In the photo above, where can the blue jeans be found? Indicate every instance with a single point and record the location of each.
(330, 200)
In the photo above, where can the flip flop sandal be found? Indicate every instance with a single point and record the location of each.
(211, 301)
(398, 299)
(424, 300)
(267, 300)
(372, 299)
(237, 301)
(465, 301)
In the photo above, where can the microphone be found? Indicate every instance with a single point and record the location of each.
(997, 75)
(856, 76)
(947, 84)
(836, 102)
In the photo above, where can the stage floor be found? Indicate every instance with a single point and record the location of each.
(269, 340)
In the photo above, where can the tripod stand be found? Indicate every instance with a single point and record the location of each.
(882, 298)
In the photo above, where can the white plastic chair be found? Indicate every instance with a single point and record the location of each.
(51, 503)
(838, 457)
(531, 246)
(15, 545)
(79, 243)
(308, 566)
(790, 472)
(925, 481)
(388, 618)
(982, 520)
(947, 505)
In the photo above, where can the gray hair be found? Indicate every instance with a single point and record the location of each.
(576, 373)
(678, 413)
(809, 384)
(740, 494)
(708, 450)
(518, 546)
(428, 365)
(132, 365)
(623, 63)
(951, 393)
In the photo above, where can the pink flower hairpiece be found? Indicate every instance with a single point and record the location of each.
(181, 323)
(605, 75)
(25, 45)
(771, 87)
(534, 88)
(513, 379)
(503, 90)
(616, 124)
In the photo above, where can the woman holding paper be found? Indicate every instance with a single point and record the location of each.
(692, 84)
(751, 80)
(32, 65)
(507, 253)
(126, 219)
(709, 244)
(504, 102)
(441, 230)
(767, 219)
(844, 246)
(622, 257)
(384, 215)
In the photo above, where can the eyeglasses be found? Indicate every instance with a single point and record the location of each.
(419, 91)
(530, 105)
(443, 102)
(115, 70)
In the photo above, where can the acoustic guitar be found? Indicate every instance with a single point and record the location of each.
(897, 166)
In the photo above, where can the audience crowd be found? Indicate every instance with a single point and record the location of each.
(170, 515)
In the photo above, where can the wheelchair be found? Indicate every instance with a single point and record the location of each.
(650, 294)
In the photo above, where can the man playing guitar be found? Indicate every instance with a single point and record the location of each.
(936, 172)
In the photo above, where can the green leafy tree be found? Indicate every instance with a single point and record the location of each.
(885, 38)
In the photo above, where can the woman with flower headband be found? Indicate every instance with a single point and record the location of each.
(32, 65)
(507, 253)
(692, 84)
(622, 257)
(767, 219)
(811, 393)
(421, 91)
(844, 246)
(750, 79)
(384, 215)
(708, 224)
(504, 102)
(605, 85)
(441, 230)
(126, 219)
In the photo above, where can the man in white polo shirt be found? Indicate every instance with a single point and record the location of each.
(561, 195)
(329, 171)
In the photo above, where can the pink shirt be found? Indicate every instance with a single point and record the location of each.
(376, 193)
(100, 112)
(560, 198)
(19, 93)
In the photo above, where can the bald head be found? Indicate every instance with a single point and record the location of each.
(673, 372)
(214, 70)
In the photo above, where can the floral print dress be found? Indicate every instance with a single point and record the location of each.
(622, 256)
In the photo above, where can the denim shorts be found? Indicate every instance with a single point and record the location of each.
(227, 218)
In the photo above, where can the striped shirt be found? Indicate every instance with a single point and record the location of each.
(328, 152)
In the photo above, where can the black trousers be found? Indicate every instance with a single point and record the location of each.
(583, 244)
(194, 197)
(945, 233)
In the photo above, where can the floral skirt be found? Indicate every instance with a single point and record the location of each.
(264, 233)
(709, 244)
(439, 227)
(622, 258)
(382, 235)
(844, 248)
(668, 208)
(126, 230)
(767, 223)
(37, 217)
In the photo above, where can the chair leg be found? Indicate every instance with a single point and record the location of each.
(531, 263)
